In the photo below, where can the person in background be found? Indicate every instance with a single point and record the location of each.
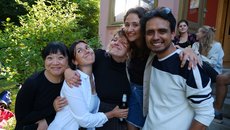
(211, 53)
(209, 50)
(175, 94)
(71, 117)
(184, 39)
(34, 102)
(111, 79)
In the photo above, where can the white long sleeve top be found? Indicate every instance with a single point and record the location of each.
(82, 108)
(176, 95)
(214, 57)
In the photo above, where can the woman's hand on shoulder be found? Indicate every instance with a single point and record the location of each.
(72, 77)
(191, 56)
(59, 103)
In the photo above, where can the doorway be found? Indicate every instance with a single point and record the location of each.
(226, 41)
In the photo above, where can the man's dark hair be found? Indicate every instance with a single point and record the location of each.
(162, 12)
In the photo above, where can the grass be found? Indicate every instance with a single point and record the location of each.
(10, 86)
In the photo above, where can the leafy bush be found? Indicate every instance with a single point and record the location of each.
(46, 21)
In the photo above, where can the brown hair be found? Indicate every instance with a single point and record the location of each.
(206, 40)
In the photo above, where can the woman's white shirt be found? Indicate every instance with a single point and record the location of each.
(82, 108)
(214, 57)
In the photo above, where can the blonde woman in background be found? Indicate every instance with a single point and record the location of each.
(212, 54)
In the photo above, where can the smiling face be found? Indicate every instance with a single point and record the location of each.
(183, 27)
(84, 55)
(55, 64)
(159, 36)
(132, 27)
(118, 47)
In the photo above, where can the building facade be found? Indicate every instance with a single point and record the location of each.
(214, 13)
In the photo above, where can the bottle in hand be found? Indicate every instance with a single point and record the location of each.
(124, 104)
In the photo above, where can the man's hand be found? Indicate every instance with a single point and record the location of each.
(188, 54)
(72, 78)
(42, 124)
(59, 103)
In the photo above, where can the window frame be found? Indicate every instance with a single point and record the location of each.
(111, 17)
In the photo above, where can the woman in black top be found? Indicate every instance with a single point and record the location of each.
(184, 39)
(34, 103)
(111, 79)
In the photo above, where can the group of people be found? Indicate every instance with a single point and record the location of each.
(141, 61)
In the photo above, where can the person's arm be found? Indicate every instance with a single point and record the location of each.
(78, 96)
(197, 126)
(117, 112)
(24, 111)
(59, 103)
(189, 54)
(198, 92)
(42, 124)
(72, 77)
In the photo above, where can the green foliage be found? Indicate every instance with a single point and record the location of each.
(88, 11)
(46, 21)
(10, 86)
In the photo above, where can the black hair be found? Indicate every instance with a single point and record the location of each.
(54, 48)
(182, 21)
(162, 12)
(72, 52)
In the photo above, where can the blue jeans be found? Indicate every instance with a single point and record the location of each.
(135, 115)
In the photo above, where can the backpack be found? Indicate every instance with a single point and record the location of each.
(5, 99)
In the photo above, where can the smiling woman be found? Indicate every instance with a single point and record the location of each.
(34, 102)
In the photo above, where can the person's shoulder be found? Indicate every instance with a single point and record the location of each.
(100, 54)
(32, 82)
(99, 51)
(192, 37)
(176, 39)
(34, 78)
(216, 43)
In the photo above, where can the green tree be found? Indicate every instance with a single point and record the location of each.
(46, 21)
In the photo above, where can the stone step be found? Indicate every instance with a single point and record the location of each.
(216, 126)
(225, 70)
(226, 108)
(226, 105)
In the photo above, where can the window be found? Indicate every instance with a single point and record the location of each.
(119, 8)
